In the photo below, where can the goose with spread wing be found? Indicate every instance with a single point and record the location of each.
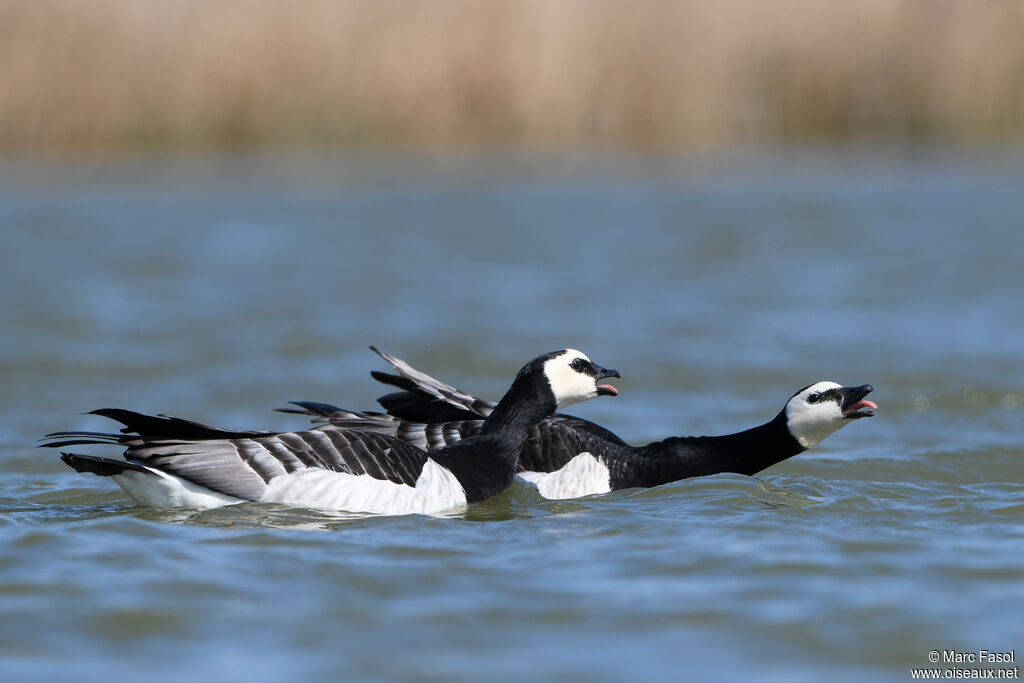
(175, 463)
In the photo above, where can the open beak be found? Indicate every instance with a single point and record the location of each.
(854, 404)
(606, 389)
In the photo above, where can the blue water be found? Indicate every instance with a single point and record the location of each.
(217, 290)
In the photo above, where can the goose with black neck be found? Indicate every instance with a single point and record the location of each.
(567, 456)
(174, 463)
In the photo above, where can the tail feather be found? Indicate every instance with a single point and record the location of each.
(101, 467)
(147, 428)
(165, 427)
(64, 439)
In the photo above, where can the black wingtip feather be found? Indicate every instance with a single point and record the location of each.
(397, 381)
(314, 408)
(414, 407)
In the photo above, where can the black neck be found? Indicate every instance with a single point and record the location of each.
(520, 409)
(485, 464)
(746, 452)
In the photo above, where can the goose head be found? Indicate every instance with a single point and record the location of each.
(816, 411)
(573, 377)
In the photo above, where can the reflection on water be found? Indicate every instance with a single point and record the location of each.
(218, 291)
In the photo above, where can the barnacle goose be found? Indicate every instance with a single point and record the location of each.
(567, 457)
(175, 463)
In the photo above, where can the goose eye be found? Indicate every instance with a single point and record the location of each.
(814, 398)
(579, 365)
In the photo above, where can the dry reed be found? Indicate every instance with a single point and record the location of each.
(111, 76)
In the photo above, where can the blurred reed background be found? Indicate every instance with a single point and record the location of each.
(123, 76)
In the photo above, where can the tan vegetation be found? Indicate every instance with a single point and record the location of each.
(110, 76)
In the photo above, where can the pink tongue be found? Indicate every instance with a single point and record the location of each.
(608, 387)
(861, 404)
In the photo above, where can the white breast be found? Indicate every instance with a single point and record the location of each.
(582, 476)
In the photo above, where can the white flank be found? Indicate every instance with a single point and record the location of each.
(436, 490)
(582, 476)
(162, 490)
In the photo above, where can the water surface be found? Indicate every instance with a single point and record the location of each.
(218, 290)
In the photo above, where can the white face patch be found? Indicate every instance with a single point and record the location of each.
(811, 417)
(569, 385)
